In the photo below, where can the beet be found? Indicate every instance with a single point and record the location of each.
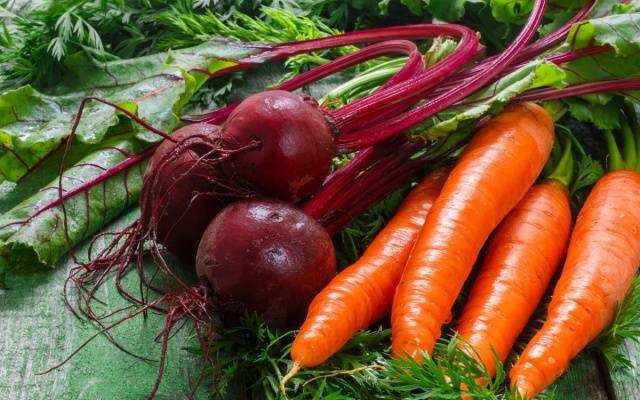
(265, 256)
(171, 201)
(296, 144)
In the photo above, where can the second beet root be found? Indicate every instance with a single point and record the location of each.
(265, 256)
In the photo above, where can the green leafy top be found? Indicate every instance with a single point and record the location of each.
(37, 231)
(35, 41)
(619, 31)
(33, 124)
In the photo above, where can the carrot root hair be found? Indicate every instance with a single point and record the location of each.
(292, 372)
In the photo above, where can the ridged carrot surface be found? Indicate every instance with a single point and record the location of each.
(493, 174)
(362, 293)
(602, 259)
(523, 254)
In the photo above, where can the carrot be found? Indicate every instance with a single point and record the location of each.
(522, 256)
(494, 172)
(362, 293)
(602, 259)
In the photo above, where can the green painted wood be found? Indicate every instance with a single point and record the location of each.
(37, 331)
(625, 384)
(582, 381)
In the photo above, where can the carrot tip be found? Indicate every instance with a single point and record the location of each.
(283, 382)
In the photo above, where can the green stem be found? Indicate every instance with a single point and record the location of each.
(629, 145)
(563, 171)
(554, 157)
(632, 121)
(615, 158)
(398, 62)
(366, 80)
(574, 140)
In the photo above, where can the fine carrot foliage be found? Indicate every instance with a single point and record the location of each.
(252, 358)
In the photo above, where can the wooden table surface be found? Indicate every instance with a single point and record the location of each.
(589, 378)
(37, 331)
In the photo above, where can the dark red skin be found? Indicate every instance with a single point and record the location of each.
(268, 257)
(296, 144)
(181, 216)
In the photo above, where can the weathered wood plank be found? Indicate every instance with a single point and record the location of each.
(626, 384)
(37, 331)
(582, 381)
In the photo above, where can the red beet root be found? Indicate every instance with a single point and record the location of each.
(296, 144)
(176, 199)
(265, 256)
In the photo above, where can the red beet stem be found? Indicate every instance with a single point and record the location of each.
(419, 31)
(535, 49)
(573, 55)
(530, 51)
(467, 50)
(414, 65)
(555, 37)
(410, 91)
(372, 173)
(380, 132)
(367, 187)
(288, 49)
(392, 182)
(612, 85)
(343, 178)
(558, 59)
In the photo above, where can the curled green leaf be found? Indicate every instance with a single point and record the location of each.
(39, 230)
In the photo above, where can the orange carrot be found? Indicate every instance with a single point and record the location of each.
(602, 259)
(494, 172)
(523, 254)
(362, 293)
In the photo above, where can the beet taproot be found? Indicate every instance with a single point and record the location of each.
(178, 197)
(265, 256)
(296, 144)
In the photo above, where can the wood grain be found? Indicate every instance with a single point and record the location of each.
(626, 384)
(583, 381)
(37, 331)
